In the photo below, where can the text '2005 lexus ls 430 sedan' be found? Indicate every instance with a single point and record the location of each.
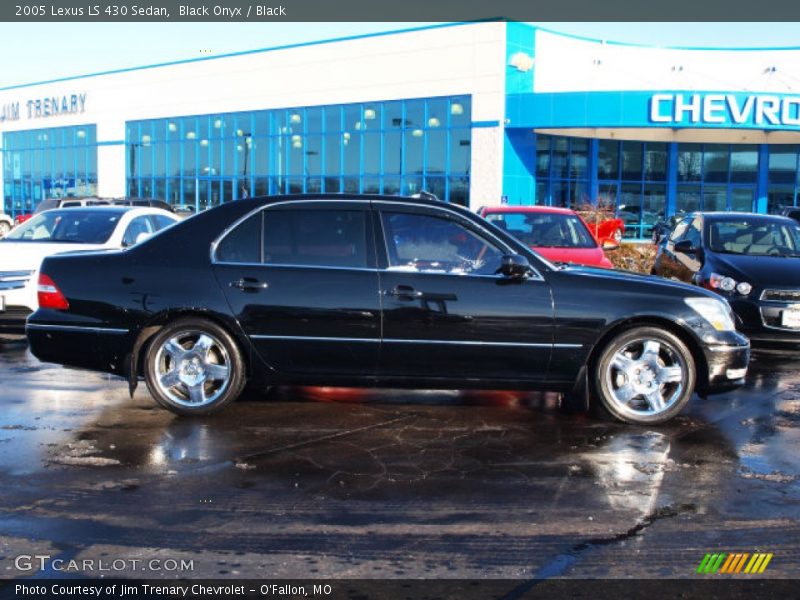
(377, 291)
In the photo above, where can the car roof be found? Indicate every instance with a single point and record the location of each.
(529, 209)
(719, 215)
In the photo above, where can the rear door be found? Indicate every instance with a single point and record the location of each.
(302, 281)
(446, 312)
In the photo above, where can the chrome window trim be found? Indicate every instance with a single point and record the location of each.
(114, 330)
(536, 276)
(410, 341)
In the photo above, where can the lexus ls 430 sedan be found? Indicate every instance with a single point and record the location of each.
(377, 291)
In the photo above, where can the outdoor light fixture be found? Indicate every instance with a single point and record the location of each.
(239, 148)
(346, 135)
(521, 62)
(297, 144)
(81, 133)
(456, 108)
(434, 122)
(172, 127)
(239, 132)
(417, 133)
(295, 118)
(217, 123)
(297, 138)
(190, 135)
(357, 125)
(145, 139)
(204, 142)
(369, 114)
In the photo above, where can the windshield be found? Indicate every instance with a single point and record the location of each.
(755, 236)
(545, 230)
(68, 226)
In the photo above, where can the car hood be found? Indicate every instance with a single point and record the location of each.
(581, 256)
(28, 256)
(640, 281)
(759, 271)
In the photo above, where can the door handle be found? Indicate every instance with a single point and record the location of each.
(248, 284)
(404, 292)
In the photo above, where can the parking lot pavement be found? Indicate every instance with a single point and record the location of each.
(338, 483)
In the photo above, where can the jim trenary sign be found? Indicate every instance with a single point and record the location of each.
(728, 110)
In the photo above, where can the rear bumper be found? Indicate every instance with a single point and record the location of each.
(727, 366)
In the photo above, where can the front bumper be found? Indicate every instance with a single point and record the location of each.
(727, 366)
(761, 321)
(12, 319)
(18, 300)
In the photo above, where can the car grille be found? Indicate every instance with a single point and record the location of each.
(14, 280)
(781, 295)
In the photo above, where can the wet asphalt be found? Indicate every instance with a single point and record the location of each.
(317, 483)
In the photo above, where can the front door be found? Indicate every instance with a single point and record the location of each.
(446, 312)
(301, 279)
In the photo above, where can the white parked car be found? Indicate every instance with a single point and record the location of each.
(6, 223)
(64, 230)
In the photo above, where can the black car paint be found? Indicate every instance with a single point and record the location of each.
(762, 272)
(562, 315)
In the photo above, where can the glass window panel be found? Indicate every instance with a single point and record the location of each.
(607, 160)
(261, 123)
(689, 162)
(437, 152)
(436, 186)
(392, 152)
(372, 185)
(230, 155)
(393, 115)
(744, 164)
(172, 129)
(742, 199)
(630, 209)
(160, 189)
(559, 194)
(688, 198)
(415, 114)
(372, 152)
(215, 193)
(655, 162)
(715, 197)
(351, 147)
(350, 185)
(411, 185)
(313, 120)
(352, 118)
(174, 158)
(543, 156)
(655, 205)
(437, 113)
(174, 191)
(333, 185)
(372, 116)
(313, 152)
(313, 185)
(783, 164)
(391, 186)
(413, 143)
(296, 145)
(607, 196)
(333, 152)
(578, 159)
(333, 118)
(243, 244)
(160, 160)
(716, 159)
(460, 151)
(632, 160)
(541, 193)
(778, 197)
(145, 164)
(261, 186)
(460, 111)
(560, 158)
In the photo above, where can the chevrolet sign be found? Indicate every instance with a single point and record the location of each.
(720, 109)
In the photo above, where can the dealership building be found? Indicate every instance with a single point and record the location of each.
(476, 113)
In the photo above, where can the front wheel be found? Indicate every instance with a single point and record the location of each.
(645, 375)
(194, 367)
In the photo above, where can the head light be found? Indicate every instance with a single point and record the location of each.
(744, 288)
(716, 312)
(728, 284)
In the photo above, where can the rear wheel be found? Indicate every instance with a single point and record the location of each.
(645, 375)
(194, 367)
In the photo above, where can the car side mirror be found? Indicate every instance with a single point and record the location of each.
(610, 244)
(514, 266)
(685, 247)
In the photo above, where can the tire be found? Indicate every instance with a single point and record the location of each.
(194, 367)
(5, 227)
(645, 375)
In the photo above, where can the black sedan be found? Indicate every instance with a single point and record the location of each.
(751, 260)
(377, 291)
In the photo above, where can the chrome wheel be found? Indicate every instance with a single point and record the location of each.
(192, 368)
(646, 377)
(4, 228)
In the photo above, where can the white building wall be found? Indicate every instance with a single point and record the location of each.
(465, 59)
(567, 64)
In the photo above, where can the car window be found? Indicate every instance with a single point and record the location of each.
(243, 244)
(680, 230)
(136, 227)
(693, 232)
(72, 226)
(427, 243)
(314, 237)
(162, 222)
(544, 229)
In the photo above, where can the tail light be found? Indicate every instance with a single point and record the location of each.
(49, 294)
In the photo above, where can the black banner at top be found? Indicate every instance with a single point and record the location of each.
(397, 10)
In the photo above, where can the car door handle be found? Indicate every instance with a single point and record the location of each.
(248, 284)
(404, 292)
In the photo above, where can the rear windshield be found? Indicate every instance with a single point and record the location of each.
(544, 230)
(68, 226)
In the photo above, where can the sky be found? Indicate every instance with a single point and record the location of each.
(34, 52)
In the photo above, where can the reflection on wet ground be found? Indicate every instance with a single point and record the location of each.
(390, 483)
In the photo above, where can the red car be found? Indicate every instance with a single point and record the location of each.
(558, 234)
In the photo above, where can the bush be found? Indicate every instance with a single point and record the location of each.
(633, 257)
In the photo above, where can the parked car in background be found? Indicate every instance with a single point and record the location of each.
(20, 218)
(609, 228)
(638, 222)
(376, 291)
(51, 203)
(662, 229)
(752, 260)
(6, 224)
(143, 202)
(64, 230)
(793, 212)
(558, 234)
(184, 210)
